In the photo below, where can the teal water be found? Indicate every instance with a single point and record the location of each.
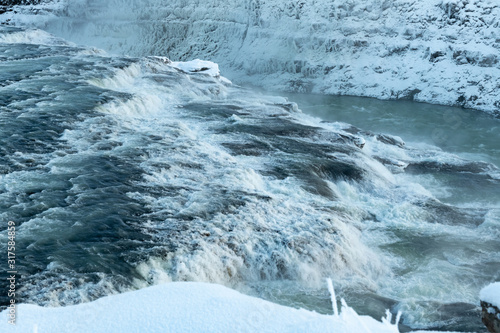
(470, 134)
(125, 172)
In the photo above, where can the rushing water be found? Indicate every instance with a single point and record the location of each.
(469, 134)
(126, 172)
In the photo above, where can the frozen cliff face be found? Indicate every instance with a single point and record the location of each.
(437, 51)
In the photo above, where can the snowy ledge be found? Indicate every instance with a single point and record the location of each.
(491, 294)
(187, 307)
(490, 304)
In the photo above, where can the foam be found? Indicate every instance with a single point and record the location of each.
(32, 36)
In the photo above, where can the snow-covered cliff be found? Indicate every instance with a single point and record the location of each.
(437, 51)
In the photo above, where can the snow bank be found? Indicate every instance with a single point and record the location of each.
(187, 307)
(490, 301)
(491, 294)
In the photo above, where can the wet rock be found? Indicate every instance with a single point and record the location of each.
(447, 214)
(491, 317)
(393, 165)
(445, 167)
(356, 140)
(391, 140)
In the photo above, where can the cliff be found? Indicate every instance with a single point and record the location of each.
(437, 51)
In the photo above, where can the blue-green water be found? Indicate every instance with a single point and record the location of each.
(126, 172)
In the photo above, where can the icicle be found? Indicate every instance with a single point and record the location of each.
(354, 316)
(398, 318)
(388, 320)
(332, 295)
(388, 316)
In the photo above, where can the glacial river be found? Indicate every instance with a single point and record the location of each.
(125, 172)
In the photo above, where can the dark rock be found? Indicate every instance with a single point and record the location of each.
(436, 56)
(447, 214)
(390, 140)
(444, 167)
(20, 2)
(393, 165)
(461, 100)
(4, 9)
(410, 94)
(491, 317)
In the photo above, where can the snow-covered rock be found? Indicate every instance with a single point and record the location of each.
(491, 294)
(197, 66)
(437, 51)
(490, 303)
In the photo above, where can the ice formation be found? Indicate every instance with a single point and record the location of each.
(437, 51)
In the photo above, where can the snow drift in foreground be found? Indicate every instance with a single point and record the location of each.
(437, 51)
(188, 307)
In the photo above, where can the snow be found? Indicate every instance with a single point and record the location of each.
(197, 66)
(491, 294)
(187, 307)
(436, 51)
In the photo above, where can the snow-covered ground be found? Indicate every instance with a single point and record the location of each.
(187, 307)
(437, 51)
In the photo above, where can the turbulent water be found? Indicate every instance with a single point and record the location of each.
(124, 172)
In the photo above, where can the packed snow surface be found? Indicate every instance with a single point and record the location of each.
(188, 307)
(437, 51)
(491, 294)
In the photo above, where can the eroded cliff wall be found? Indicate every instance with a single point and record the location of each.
(437, 51)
